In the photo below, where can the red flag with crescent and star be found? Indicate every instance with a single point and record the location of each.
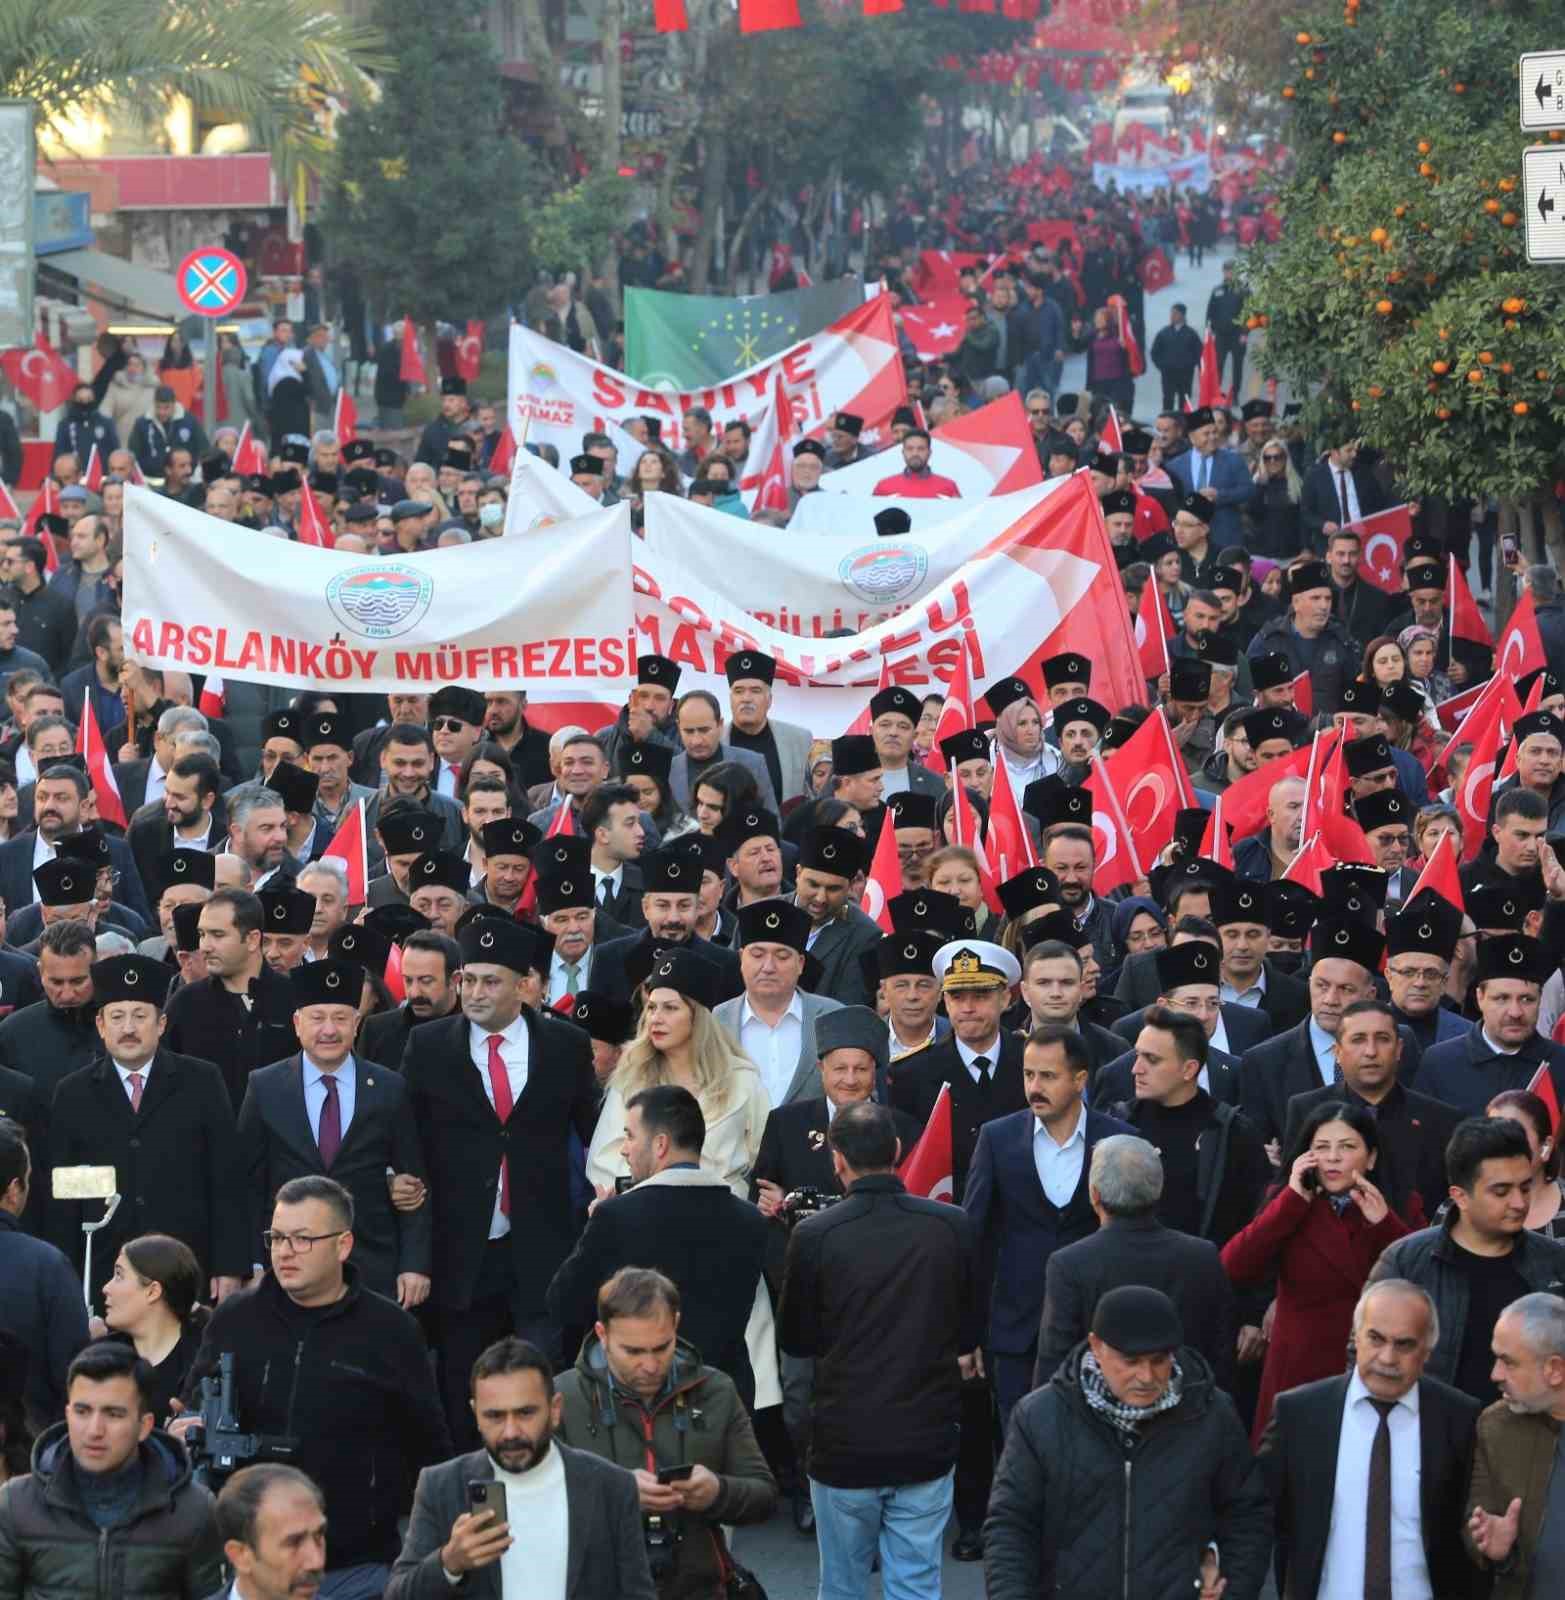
(1384, 536)
(41, 373)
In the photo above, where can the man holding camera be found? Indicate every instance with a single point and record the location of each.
(640, 1396)
(334, 1374)
(581, 1535)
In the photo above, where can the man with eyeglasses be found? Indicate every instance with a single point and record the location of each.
(1420, 946)
(343, 1372)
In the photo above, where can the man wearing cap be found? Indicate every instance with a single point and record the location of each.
(568, 911)
(1337, 491)
(1421, 943)
(1195, 1502)
(55, 1035)
(328, 751)
(855, 780)
(406, 831)
(452, 423)
(162, 1121)
(1027, 1195)
(1214, 472)
(1540, 764)
(286, 915)
(1193, 534)
(804, 477)
(795, 1155)
(698, 720)
(1462, 660)
(437, 888)
(774, 1021)
(1308, 635)
(878, 1290)
(844, 435)
(1386, 817)
(496, 1092)
(753, 842)
(456, 723)
(357, 1125)
(904, 965)
(647, 717)
(783, 746)
(1503, 1049)
(916, 481)
(839, 934)
(671, 887)
(894, 715)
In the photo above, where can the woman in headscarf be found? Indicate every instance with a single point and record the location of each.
(1018, 734)
(287, 404)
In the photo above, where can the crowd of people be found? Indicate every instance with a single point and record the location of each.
(533, 1225)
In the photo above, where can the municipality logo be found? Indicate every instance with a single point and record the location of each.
(380, 602)
(882, 573)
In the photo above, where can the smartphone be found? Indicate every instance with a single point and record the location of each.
(623, 1182)
(1509, 548)
(486, 1494)
(1311, 1181)
(670, 1474)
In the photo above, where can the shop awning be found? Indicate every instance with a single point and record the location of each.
(123, 286)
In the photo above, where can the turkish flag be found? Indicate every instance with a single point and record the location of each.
(470, 350)
(1453, 712)
(1156, 272)
(1150, 516)
(504, 457)
(927, 1169)
(1472, 794)
(1466, 620)
(1134, 359)
(345, 421)
(89, 743)
(92, 478)
(1542, 1085)
(1245, 802)
(1209, 389)
(762, 16)
(1148, 778)
(1534, 699)
(936, 328)
(1010, 839)
(883, 883)
(1520, 647)
(411, 369)
(1441, 874)
(1117, 863)
(1217, 843)
(1472, 724)
(393, 973)
(1304, 694)
(1384, 536)
(1154, 628)
(350, 845)
(964, 825)
(249, 457)
(668, 16)
(773, 446)
(8, 506)
(935, 274)
(46, 503)
(313, 527)
(956, 715)
(1111, 438)
(41, 373)
(1311, 861)
(213, 701)
(1328, 817)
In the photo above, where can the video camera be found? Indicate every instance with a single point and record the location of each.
(800, 1203)
(217, 1446)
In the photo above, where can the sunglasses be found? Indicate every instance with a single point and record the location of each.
(1037, 411)
(450, 725)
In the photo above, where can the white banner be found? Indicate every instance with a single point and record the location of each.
(528, 612)
(541, 495)
(1193, 172)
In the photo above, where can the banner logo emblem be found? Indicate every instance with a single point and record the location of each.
(878, 573)
(380, 602)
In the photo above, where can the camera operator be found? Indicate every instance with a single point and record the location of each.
(641, 1397)
(580, 1526)
(337, 1370)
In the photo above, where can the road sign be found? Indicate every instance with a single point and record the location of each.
(211, 282)
(1541, 81)
(1543, 180)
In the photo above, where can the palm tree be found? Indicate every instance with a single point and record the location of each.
(272, 65)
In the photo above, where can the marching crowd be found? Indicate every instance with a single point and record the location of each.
(527, 1228)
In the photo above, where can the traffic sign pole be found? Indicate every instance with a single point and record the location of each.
(211, 283)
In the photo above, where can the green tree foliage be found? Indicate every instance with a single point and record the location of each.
(432, 194)
(1401, 284)
(266, 63)
(579, 224)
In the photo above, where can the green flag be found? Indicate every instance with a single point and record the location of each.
(692, 341)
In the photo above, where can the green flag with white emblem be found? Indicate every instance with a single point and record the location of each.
(692, 341)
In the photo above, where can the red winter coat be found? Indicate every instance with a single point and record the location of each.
(1322, 1262)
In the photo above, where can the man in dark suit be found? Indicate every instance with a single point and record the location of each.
(1027, 1193)
(449, 1549)
(1216, 473)
(682, 1220)
(163, 1121)
(610, 822)
(981, 1064)
(669, 905)
(327, 1113)
(1414, 1129)
(497, 1089)
(840, 933)
(189, 815)
(1368, 1473)
(1125, 1184)
(1337, 491)
(431, 963)
(1052, 988)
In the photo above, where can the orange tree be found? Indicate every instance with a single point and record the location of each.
(1400, 290)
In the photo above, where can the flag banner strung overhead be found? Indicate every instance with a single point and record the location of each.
(531, 612)
(687, 341)
(555, 395)
(989, 451)
(1010, 591)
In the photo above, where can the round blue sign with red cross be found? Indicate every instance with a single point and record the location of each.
(211, 282)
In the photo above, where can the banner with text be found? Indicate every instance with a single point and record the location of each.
(531, 611)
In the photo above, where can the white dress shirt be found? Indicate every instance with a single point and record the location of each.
(775, 1050)
(1059, 1165)
(898, 1049)
(145, 1073)
(446, 779)
(204, 842)
(315, 1095)
(968, 1056)
(42, 850)
(614, 879)
(1499, 1049)
(1342, 1570)
(558, 984)
(513, 1052)
(157, 780)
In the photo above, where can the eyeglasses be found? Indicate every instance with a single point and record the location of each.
(1037, 411)
(1418, 974)
(449, 725)
(298, 1243)
(1273, 455)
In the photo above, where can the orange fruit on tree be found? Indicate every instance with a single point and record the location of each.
(1507, 368)
(1302, 38)
(1425, 170)
(1309, 72)
(1514, 306)
(1520, 408)
(1444, 413)
(1442, 333)
(1375, 391)
(1491, 206)
(1506, 185)
(1339, 137)
(1512, 324)
(1384, 307)
(1424, 147)
(1458, 88)
(1486, 356)
(1439, 368)
(1475, 376)
(1508, 219)
(1378, 236)
(1289, 91)
(1542, 375)
(1356, 405)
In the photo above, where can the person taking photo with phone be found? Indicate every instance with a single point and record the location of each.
(641, 1397)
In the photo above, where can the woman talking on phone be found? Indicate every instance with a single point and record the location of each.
(1321, 1232)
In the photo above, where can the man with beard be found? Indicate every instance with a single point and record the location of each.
(186, 819)
(506, 724)
(581, 1517)
(1070, 854)
(486, 800)
(56, 1035)
(258, 829)
(430, 964)
(239, 1016)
